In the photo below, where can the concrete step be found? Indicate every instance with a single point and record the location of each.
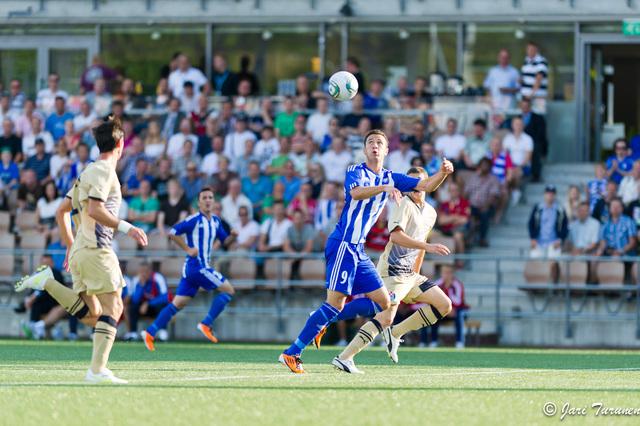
(510, 230)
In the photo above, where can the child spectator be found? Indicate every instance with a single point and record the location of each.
(572, 203)
(379, 236)
(597, 188)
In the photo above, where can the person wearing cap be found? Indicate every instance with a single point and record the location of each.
(548, 227)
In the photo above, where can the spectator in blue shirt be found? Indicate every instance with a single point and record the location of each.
(290, 180)
(132, 188)
(618, 233)
(619, 164)
(39, 163)
(256, 186)
(9, 172)
(55, 122)
(192, 183)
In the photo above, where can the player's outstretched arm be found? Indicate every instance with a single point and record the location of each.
(100, 214)
(433, 182)
(230, 238)
(64, 225)
(366, 192)
(399, 237)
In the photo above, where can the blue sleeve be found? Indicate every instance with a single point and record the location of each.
(352, 179)
(185, 226)
(136, 296)
(404, 183)
(13, 169)
(163, 290)
(220, 233)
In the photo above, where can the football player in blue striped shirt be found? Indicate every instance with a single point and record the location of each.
(349, 269)
(201, 229)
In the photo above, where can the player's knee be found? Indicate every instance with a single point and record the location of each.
(384, 304)
(228, 290)
(444, 306)
(384, 320)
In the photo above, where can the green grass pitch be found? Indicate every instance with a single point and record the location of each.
(41, 383)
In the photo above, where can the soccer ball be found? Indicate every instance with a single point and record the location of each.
(343, 86)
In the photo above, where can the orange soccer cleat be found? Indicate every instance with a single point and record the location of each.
(206, 330)
(148, 340)
(293, 362)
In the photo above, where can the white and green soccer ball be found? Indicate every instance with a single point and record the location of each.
(343, 86)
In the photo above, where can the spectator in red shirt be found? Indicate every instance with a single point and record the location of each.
(453, 219)
(379, 236)
(454, 290)
(304, 202)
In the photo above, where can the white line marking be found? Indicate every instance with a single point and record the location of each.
(269, 376)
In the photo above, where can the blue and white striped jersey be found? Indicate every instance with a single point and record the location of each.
(201, 233)
(359, 216)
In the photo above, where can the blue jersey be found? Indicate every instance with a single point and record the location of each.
(201, 233)
(154, 291)
(359, 216)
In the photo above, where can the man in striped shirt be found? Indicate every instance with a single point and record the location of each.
(534, 75)
(349, 269)
(201, 229)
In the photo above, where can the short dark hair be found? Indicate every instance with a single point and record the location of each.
(117, 103)
(418, 171)
(480, 122)
(188, 84)
(276, 202)
(108, 134)
(206, 189)
(376, 132)
(354, 61)
(485, 160)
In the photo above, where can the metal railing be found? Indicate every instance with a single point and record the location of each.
(497, 290)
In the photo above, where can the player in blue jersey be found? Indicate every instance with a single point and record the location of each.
(201, 230)
(349, 269)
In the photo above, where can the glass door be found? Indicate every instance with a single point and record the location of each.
(18, 62)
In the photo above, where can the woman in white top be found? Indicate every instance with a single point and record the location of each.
(154, 143)
(519, 145)
(59, 159)
(29, 141)
(46, 209)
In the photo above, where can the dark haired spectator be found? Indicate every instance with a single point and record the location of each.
(163, 94)
(422, 99)
(617, 233)
(352, 65)
(276, 196)
(188, 99)
(224, 82)
(127, 95)
(418, 135)
(220, 180)
(40, 163)
(132, 185)
(128, 164)
(265, 118)
(482, 190)
(205, 139)
(226, 119)
(300, 136)
(46, 209)
(351, 121)
(5, 107)
(199, 117)
(117, 110)
(170, 122)
(29, 190)
(601, 209)
(374, 98)
(432, 162)
(246, 74)
(10, 141)
(127, 128)
(256, 186)
(143, 209)
(535, 126)
(290, 180)
(59, 160)
(17, 95)
(266, 148)
(534, 74)
(305, 96)
(192, 183)
(185, 72)
(620, 163)
(451, 145)
(210, 163)
(477, 146)
(235, 142)
(284, 121)
(161, 180)
(23, 122)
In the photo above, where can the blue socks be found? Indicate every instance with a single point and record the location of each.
(362, 307)
(163, 319)
(217, 306)
(316, 322)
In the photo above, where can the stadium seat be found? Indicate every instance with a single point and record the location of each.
(171, 267)
(578, 273)
(313, 270)
(126, 243)
(271, 269)
(25, 221)
(537, 272)
(242, 269)
(32, 242)
(6, 268)
(611, 273)
(7, 240)
(5, 222)
(448, 242)
(156, 243)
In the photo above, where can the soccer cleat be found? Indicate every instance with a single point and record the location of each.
(27, 330)
(392, 343)
(318, 338)
(36, 280)
(206, 330)
(293, 362)
(148, 340)
(106, 377)
(345, 365)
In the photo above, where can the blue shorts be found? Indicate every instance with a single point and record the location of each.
(349, 269)
(194, 278)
